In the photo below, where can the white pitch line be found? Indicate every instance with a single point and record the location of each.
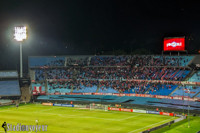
(128, 117)
(149, 125)
(80, 116)
(75, 116)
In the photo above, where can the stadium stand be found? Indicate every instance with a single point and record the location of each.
(195, 77)
(46, 61)
(112, 73)
(109, 74)
(6, 102)
(10, 88)
(172, 60)
(193, 90)
(183, 91)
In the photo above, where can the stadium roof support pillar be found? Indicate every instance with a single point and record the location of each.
(21, 63)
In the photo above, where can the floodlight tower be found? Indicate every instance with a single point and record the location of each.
(188, 108)
(20, 34)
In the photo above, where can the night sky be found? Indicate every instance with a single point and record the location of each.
(62, 27)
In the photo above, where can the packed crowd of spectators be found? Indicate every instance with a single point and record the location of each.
(82, 61)
(169, 61)
(120, 86)
(114, 72)
(57, 62)
(120, 60)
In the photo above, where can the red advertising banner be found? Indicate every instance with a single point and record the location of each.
(114, 109)
(57, 93)
(174, 44)
(162, 97)
(35, 93)
(120, 109)
(166, 113)
(48, 104)
(132, 94)
(126, 110)
(43, 93)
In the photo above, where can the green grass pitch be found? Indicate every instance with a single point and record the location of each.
(182, 127)
(72, 120)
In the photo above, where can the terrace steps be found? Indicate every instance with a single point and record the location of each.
(173, 91)
(72, 89)
(97, 89)
(26, 94)
(196, 94)
(190, 75)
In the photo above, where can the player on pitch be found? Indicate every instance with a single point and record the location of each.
(4, 125)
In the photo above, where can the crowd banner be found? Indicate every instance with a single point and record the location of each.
(178, 97)
(57, 93)
(109, 94)
(74, 93)
(116, 94)
(87, 93)
(48, 104)
(163, 97)
(97, 93)
(189, 99)
(125, 94)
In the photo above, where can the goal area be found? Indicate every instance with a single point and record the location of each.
(94, 106)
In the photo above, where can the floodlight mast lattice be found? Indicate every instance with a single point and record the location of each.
(20, 35)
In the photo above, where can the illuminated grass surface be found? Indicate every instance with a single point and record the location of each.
(182, 127)
(71, 120)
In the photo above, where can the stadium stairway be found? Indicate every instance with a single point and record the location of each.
(72, 89)
(25, 94)
(97, 89)
(147, 91)
(196, 94)
(173, 91)
(189, 75)
(190, 62)
(185, 79)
